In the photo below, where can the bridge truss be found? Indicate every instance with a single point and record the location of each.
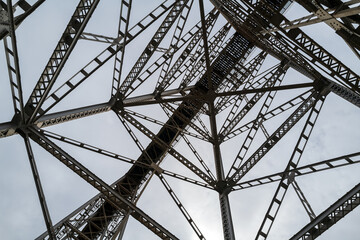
(190, 121)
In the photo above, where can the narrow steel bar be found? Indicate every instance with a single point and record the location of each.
(72, 114)
(330, 216)
(98, 38)
(185, 179)
(303, 200)
(9, 128)
(175, 127)
(38, 185)
(181, 206)
(221, 94)
(90, 147)
(266, 89)
(301, 171)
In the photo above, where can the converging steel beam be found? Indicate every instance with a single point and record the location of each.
(180, 206)
(151, 47)
(59, 57)
(111, 194)
(271, 14)
(165, 70)
(292, 164)
(273, 139)
(128, 185)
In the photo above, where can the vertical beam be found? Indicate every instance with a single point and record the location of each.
(228, 228)
(227, 222)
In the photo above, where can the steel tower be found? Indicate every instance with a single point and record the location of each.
(219, 96)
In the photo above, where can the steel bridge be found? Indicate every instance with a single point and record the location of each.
(213, 75)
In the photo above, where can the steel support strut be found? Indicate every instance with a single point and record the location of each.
(119, 202)
(39, 188)
(12, 59)
(303, 170)
(330, 216)
(287, 179)
(59, 57)
(228, 228)
(227, 222)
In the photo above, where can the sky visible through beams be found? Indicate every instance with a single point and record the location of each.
(336, 134)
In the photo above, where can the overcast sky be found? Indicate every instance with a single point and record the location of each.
(336, 133)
